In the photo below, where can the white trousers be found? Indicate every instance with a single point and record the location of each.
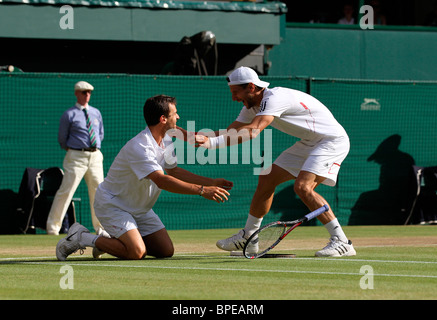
(77, 165)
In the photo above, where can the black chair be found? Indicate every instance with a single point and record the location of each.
(424, 207)
(35, 197)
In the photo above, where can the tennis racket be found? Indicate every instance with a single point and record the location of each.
(267, 237)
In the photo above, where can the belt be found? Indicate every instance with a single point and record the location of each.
(86, 149)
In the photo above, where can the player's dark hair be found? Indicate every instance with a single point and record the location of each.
(155, 107)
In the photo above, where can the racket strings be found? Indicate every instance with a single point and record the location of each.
(268, 236)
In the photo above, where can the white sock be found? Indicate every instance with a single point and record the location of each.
(334, 229)
(252, 224)
(88, 239)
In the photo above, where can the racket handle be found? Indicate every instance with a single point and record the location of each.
(317, 212)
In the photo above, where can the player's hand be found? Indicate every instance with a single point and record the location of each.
(216, 194)
(201, 141)
(225, 184)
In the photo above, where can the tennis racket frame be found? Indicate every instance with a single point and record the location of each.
(294, 224)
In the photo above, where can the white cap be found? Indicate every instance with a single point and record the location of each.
(83, 86)
(244, 75)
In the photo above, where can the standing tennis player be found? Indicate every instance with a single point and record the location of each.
(314, 160)
(125, 199)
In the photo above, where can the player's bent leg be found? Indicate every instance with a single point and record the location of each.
(159, 244)
(263, 197)
(339, 245)
(304, 187)
(129, 245)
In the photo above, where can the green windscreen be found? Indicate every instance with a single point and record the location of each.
(399, 115)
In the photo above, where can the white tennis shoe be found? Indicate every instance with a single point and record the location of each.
(70, 244)
(337, 248)
(253, 246)
(234, 243)
(237, 242)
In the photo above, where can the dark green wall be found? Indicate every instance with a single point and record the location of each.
(388, 54)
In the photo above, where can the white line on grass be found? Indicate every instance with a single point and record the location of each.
(318, 259)
(366, 260)
(194, 255)
(226, 269)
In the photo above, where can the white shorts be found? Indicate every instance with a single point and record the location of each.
(324, 158)
(116, 221)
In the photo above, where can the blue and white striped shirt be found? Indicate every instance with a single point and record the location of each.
(73, 132)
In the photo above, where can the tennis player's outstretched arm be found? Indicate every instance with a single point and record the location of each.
(203, 186)
(236, 133)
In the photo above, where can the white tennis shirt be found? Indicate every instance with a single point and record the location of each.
(126, 182)
(296, 113)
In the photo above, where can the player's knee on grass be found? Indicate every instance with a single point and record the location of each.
(162, 249)
(136, 253)
(166, 253)
(159, 244)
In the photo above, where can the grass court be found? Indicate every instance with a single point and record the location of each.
(392, 263)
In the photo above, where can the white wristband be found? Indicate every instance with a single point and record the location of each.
(217, 142)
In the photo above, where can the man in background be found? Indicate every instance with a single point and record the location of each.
(80, 134)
